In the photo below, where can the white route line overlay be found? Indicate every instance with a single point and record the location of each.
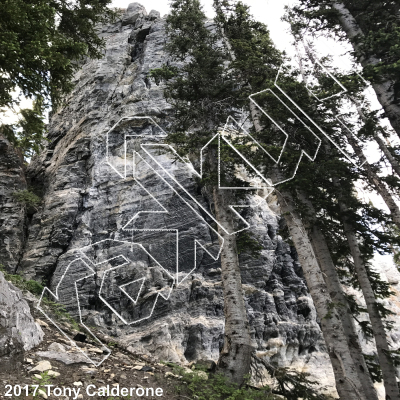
(217, 136)
(73, 344)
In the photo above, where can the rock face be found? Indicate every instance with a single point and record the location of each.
(81, 234)
(18, 330)
(12, 213)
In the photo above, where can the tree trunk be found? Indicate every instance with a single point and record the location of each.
(235, 357)
(347, 380)
(382, 345)
(374, 179)
(338, 298)
(382, 145)
(385, 89)
(385, 150)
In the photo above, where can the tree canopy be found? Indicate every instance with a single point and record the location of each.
(41, 43)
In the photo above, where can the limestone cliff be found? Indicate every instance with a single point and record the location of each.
(86, 202)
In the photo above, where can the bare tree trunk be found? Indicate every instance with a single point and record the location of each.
(385, 89)
(392, 160)
(374, 179)
(348, 383)
(235, 358)
(347, 380)
(382, 345)
(337, 295)
(382, 145)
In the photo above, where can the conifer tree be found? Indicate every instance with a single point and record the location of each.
(345, 358)
(365, 277)
(41, 45)
(320, 247)
(251, 64)
(201, 90)
(372, 28)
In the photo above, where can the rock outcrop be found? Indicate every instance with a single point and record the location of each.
(18, 330)
(12, 213)
(88, 199)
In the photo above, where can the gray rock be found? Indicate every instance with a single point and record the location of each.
(12, 213)
(42, 366)
(133, 13)
(153, 14)
(66, 358)
(18, 330)
(209, 365)
(87, 202)
(57, 347)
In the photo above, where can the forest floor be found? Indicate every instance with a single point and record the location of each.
(119, 369)
(121, 376)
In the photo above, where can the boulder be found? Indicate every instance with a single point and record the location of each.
(18, 330)
(133, 12)
(66, 358)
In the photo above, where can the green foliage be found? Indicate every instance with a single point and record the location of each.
(374, 368)
(394, 356)
(28, 133)
(27, 198)
(41, 46)
(217, 80)
(165, 73)
(45, 379)
(380, 39)
(42, 41)
(20, 282)
(60, 313)
(200, 89)
(217, 387)
(247, 243)
(293, 385)
(329, 314)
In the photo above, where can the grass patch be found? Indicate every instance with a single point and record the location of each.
(60, 313)
(45, 379)
(34, 287)
(21, 283)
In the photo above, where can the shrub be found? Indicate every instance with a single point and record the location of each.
(27, 198)
(217, 387)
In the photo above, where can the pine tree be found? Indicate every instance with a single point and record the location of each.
(343, 356)
(372, 28)
(41, 45)
(201, 91)
(366, 280)
(249, 63)
(325, 261)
